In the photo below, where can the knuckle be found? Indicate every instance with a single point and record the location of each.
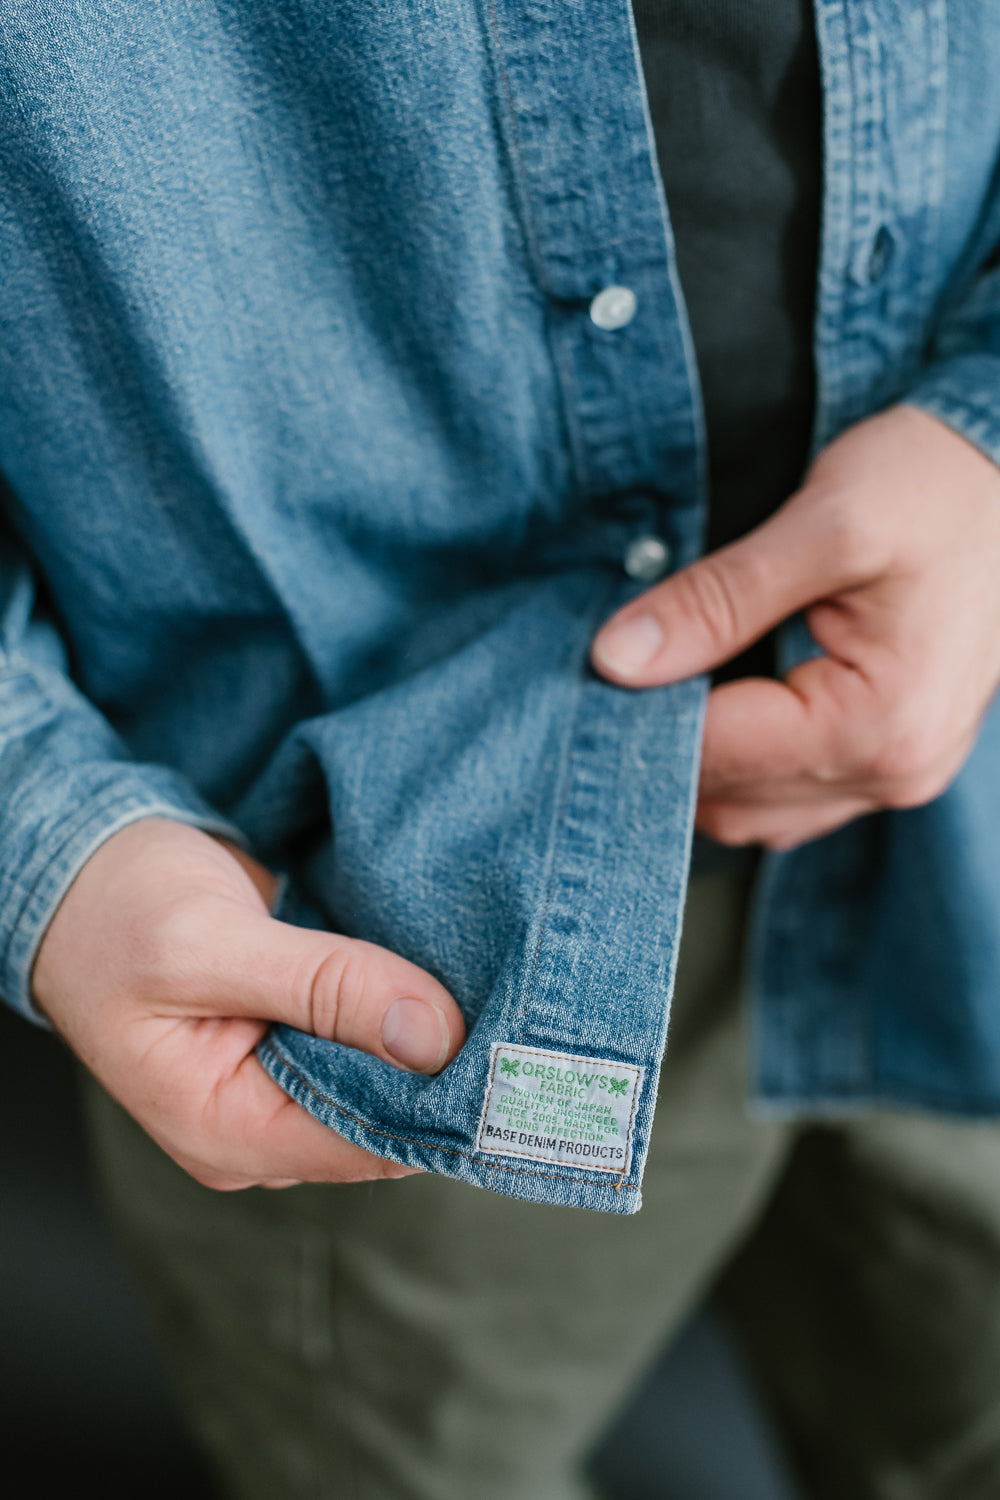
(337, 990)
(179, 927)
(905, 753)
(217, 1182)
(208, 1174)
(707, 591)
(915, 791)
(852, 542)
(170, 951)
(728, 825)
(910, 763)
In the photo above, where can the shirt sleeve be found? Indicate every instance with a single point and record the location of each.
(961, 383)
(67, 781)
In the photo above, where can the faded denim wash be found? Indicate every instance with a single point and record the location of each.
(319, 478)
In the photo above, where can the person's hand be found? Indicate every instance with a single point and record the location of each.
(892, 549)
(162, 969)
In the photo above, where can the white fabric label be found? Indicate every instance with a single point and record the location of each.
(549, 1106)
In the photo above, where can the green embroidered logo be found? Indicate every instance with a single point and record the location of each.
(618, 1086)
(510, 1068)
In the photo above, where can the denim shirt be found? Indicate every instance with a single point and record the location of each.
(321, 460)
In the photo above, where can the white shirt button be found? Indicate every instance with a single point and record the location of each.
(614, 307)
(646, 558)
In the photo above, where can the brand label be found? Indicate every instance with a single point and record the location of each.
(549, 1106)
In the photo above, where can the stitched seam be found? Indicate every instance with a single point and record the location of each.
(556, 830)
(574, 442)
(631, 1121)
(406, 1140)
(532, 227)
(550, 886)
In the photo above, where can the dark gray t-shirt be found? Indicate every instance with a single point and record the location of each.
(735, 95)
(736, 101)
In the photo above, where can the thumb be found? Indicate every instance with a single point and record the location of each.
(334, 987)
(711, 611)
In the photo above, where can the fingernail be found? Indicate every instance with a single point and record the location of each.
(625, 647)
(416, 1035)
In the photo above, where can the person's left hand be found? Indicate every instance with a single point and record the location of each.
(892, 549)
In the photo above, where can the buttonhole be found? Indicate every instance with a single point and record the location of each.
(882, 251)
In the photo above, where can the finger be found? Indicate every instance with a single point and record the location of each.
(280, 1141)
(227, 1123)
(262, 1136)
(711, 611)
(828, 731)
(230, 960)
(776, 825)
(781, 741)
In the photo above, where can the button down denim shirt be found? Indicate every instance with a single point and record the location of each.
(319, 474)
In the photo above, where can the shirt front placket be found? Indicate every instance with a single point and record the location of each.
(596, 223)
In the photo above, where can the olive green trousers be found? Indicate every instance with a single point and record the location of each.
(425, 1340)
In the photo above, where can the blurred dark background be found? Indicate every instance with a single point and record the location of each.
(83, 1396)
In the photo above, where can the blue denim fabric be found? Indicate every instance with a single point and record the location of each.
(319, 477)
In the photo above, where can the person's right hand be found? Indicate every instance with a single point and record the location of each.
(163, 968)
